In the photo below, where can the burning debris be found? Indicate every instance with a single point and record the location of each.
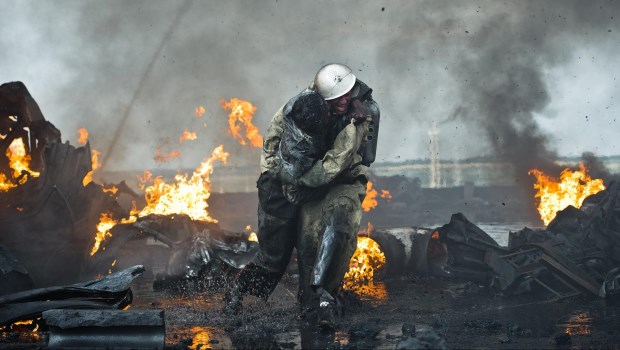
(572, 188)
(576, 253)
(188, 195)
(49, 196)
(48, 199)
(194, 253)
(365, 262)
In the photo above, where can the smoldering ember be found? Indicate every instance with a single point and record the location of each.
(477, 215)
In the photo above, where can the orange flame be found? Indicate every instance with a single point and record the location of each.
(579, 324)
(385, 194)
(146, 178)
(199, 111)
(5, 183)
(111, 190)
(241, 113)
(370, 201)
(28, 329)
(367, 259)
(572, 189)
(111, 266)
(19, 162)
(187, 195)
(83, 136)
(106, 223)
(103, 230)
(95, 165)
(252, 237)
(161, 157)
(201, 338)
(187, 136)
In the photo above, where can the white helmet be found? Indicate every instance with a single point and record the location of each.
(334, 80)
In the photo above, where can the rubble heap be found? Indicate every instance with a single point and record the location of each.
(577, 252)
(46, 218)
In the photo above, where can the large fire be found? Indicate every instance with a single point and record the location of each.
(572, 188)
(187, 195)
(367, 259)
(241, 113)
(19, 162)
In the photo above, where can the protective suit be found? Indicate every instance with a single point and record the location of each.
(327, 236)
(283, 225)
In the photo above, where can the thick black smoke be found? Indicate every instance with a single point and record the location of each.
(498, 56)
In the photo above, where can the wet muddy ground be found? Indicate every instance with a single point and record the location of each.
(398, 313)
(442, 312)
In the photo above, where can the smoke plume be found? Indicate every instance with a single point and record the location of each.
(501, 63)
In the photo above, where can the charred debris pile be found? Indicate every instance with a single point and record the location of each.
(577, 253)
(49, 215)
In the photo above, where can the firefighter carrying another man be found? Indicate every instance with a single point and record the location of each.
(311, 188)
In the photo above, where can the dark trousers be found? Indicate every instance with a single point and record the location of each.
(276, 239)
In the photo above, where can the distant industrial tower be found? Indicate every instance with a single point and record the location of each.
(435, 180)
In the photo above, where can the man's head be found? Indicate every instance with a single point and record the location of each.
(310, 113)
(334, 82)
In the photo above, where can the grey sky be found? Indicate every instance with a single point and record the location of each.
(548, 64)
